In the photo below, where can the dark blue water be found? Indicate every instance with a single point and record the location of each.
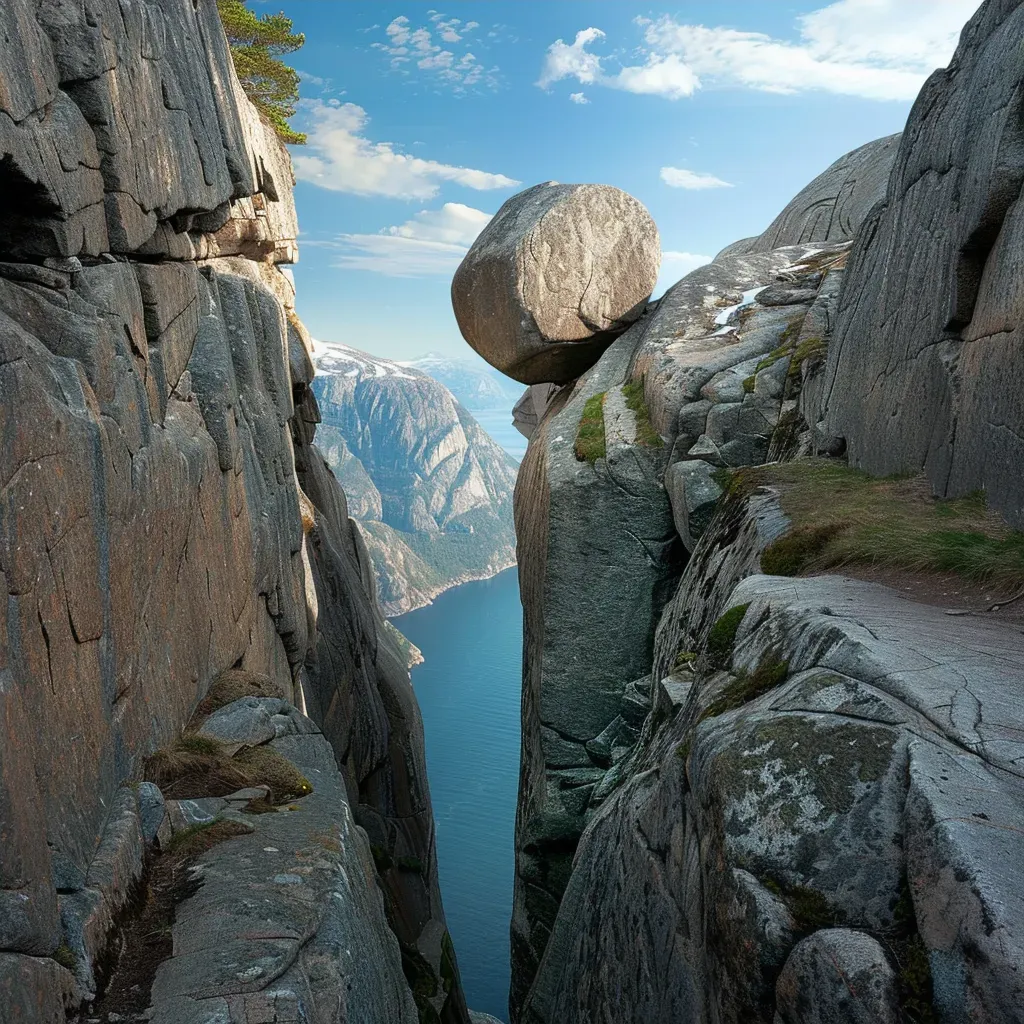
(469, 692)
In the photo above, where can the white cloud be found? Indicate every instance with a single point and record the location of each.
(571, 60)
(578, 97)
(339, 157)
(431, 243)
(445, 67)
(664, 76)
(873, 49)
(679, 177)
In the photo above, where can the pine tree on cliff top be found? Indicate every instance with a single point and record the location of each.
(257, 43)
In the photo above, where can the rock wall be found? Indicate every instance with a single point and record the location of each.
(735, 837)
(833, 206)
(926, 369)
(152, 530)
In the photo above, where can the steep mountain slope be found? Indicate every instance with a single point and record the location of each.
(430, 490)
(473, 383)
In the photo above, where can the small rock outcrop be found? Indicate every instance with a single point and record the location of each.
(833, 206)
(925, 372)
(556, 275)
(431, 491)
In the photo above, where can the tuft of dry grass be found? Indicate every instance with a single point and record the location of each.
(232, 685)
(197, 766)
(842, 516)
(307, 511)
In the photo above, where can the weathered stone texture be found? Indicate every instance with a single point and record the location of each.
(558, 272)
(289, 924)
(926, 368)
(833, 206)
(150, 527)
(749, 825)
(124, 129)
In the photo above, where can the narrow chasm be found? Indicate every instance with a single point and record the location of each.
(659, 659)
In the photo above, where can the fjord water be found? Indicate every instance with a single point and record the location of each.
(498, 423)
(469, 691)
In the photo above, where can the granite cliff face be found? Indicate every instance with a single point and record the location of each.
(928, 337)
(474, 384)
(754, 790)
(431, 491)
(165, 519)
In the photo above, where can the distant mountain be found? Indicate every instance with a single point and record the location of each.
(475, 384)
(430, 489)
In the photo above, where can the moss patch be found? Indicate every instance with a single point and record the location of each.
(810, 909)
(842, 516)
(65, 956)
(646, 435)
(590, 440)
(722, 637)
(813, 350)
(746, 687)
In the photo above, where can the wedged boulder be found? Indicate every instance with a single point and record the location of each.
(558, 273)
(245, 722)
(837, 975)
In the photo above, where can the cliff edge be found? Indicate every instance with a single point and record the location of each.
(164, 515)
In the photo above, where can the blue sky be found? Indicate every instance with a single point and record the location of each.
(423, 118)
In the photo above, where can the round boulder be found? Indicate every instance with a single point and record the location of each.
(837, 976)
(557, 274)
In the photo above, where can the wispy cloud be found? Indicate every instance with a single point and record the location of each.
(430, 244)
(680, 177)
(338, 156)
(408, 47)
(578, 97)
(873, 49)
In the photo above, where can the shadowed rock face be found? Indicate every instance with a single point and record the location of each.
(833, 206)
(558, 272)
(926, 369)
(154, 412)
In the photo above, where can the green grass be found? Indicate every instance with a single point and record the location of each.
(590, 441)
(841, 516)
(745, 687)
(723, 635)
(646, 435)
(813, 349)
